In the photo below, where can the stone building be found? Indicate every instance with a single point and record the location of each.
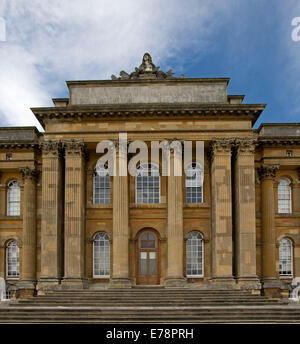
(65, 223)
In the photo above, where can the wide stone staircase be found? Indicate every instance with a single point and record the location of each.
(149, 305)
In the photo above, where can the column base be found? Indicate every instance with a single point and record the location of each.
(250, 283)
(224, 282)
(26, 289)
(173, 282)
(74, 283)
(46, 284)
(271, 287)
(120, 283)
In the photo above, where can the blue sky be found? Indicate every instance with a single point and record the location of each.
(48, 42)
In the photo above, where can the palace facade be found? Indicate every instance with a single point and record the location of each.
(67, 223)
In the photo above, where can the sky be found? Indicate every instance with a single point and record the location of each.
(44, 43)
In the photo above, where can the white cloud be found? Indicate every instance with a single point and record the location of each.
(52, 41)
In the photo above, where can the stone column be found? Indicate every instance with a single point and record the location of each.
(245, 215)
(28, 274)
(270, 284)
(52, 216)
(175, 240)
(221, 212)
(120, 272)
(74, 226)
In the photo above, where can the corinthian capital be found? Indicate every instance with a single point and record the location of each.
(267, 171)
(51, 148)
(220, 145)
(74, 148)
(245, 145)
(29, 173)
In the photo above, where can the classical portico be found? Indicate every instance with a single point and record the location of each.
(68, 222)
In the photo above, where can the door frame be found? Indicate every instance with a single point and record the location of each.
(138, 249)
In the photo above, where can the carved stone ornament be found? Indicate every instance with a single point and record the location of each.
(220, 145)
(267, 171)
(30, 173)
(75, 148)
(245, 145)
(147, 70)
(51, 147)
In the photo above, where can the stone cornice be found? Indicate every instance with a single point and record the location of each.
(267, 171)
(30, 173)
(279, 141)
(243, 111)
(19, 145)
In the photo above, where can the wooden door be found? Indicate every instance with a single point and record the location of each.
(148, 258)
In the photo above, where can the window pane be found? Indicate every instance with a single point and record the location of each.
(13, 199)
(12, 259)
(284, 196)
(101, 258)
(147, 184)
(286, 258)
(194, 254)
(101, 192)
(152, 263)
(143, 263)
(194, 184)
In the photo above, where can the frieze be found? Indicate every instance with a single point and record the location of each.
(147, 70)
(267, 171)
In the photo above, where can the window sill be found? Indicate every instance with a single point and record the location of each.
(12, 278)
(101, 277)
(196, 205)
(99, 206)
(10, 217)
(287, 215)
(147, 205)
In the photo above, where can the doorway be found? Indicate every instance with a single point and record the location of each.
(148, 259)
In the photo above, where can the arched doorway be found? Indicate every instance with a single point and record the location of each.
(148, 258)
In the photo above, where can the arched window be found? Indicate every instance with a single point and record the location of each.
(13, 198)
(284, 196)
(101, 189)
(286, 257)
(12, 260)
(101, 256)
(147, 184)
(194, 255)
(194, 184)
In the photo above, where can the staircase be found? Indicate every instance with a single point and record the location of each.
(149, 305)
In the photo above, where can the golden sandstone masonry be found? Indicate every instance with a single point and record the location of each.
(66, 224)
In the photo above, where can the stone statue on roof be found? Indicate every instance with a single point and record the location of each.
(147, 70)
